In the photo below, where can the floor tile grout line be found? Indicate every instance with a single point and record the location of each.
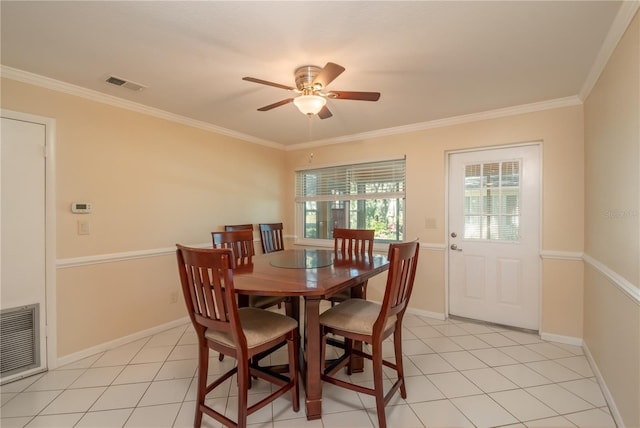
(561, 383)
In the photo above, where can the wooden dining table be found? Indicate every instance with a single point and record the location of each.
(313, 274)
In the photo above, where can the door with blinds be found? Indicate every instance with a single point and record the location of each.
(494, 235)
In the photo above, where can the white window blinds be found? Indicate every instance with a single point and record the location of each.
(492, 201)
(372, 180)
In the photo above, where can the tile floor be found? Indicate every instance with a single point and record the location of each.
(458, 374)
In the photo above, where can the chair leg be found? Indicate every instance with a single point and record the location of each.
(378, 382)
(293, 370)
(397, 345)
(203, 369)
(348, 350)
(243, 386)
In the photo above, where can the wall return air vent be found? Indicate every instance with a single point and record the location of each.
(118, 81)
(19, 339)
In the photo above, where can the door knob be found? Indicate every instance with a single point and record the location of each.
(455, 247)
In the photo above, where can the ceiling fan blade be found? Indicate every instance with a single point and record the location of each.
(328, 74)
(274, 105)
(351, 95)
(324, 113)
(265, 82)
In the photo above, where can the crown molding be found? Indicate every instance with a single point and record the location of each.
(622, 20)
(67, 88)
(441, 123)
(56, 85)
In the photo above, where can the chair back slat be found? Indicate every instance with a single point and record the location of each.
(403, 262)
(353, 243)
(240, 242)
(232, 227)
(271, 237)
(206, 277)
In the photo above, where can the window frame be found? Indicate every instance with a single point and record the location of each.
(488, 183)
(384, 171)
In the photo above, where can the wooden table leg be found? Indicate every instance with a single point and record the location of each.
(313, 365)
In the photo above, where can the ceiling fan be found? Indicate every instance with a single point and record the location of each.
(311, 85)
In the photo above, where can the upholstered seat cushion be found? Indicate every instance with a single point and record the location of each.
(259, 326)
(354, 315)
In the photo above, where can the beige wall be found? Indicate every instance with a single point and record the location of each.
(153, 183)
(612, 227)
(561, 133)
(612, 116)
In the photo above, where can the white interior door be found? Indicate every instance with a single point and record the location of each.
(494, 221)
(22, 232)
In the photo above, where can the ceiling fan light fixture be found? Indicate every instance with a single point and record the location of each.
(309, 104)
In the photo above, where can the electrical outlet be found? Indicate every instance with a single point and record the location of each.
(173, 297)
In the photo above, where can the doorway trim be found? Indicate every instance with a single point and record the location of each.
(448, 154)
(50, 228)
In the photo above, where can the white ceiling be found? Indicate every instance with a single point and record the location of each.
(430, 60)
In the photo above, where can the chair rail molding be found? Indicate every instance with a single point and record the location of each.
(561, 255)
(618, 280)
(433, 246)
(118, 257)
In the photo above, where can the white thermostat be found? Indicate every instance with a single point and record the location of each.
(81, 207)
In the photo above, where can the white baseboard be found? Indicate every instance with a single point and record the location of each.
(603, 386)
(420, 312)
(77, 356)
(428, 314)
(567, 340)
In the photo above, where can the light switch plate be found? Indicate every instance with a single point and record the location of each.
(84, 227)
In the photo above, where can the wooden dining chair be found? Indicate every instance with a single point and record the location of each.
(207, 284)
(241, 243)
(366, 321)
(232, 227)
(351, 244)
(235, 227)
(271, 237)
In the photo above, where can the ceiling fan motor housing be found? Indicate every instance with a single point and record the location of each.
(304, 79)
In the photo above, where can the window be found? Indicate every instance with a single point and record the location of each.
(358, 196)
(492, 201)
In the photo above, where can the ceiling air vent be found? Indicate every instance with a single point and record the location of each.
(125, 83)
